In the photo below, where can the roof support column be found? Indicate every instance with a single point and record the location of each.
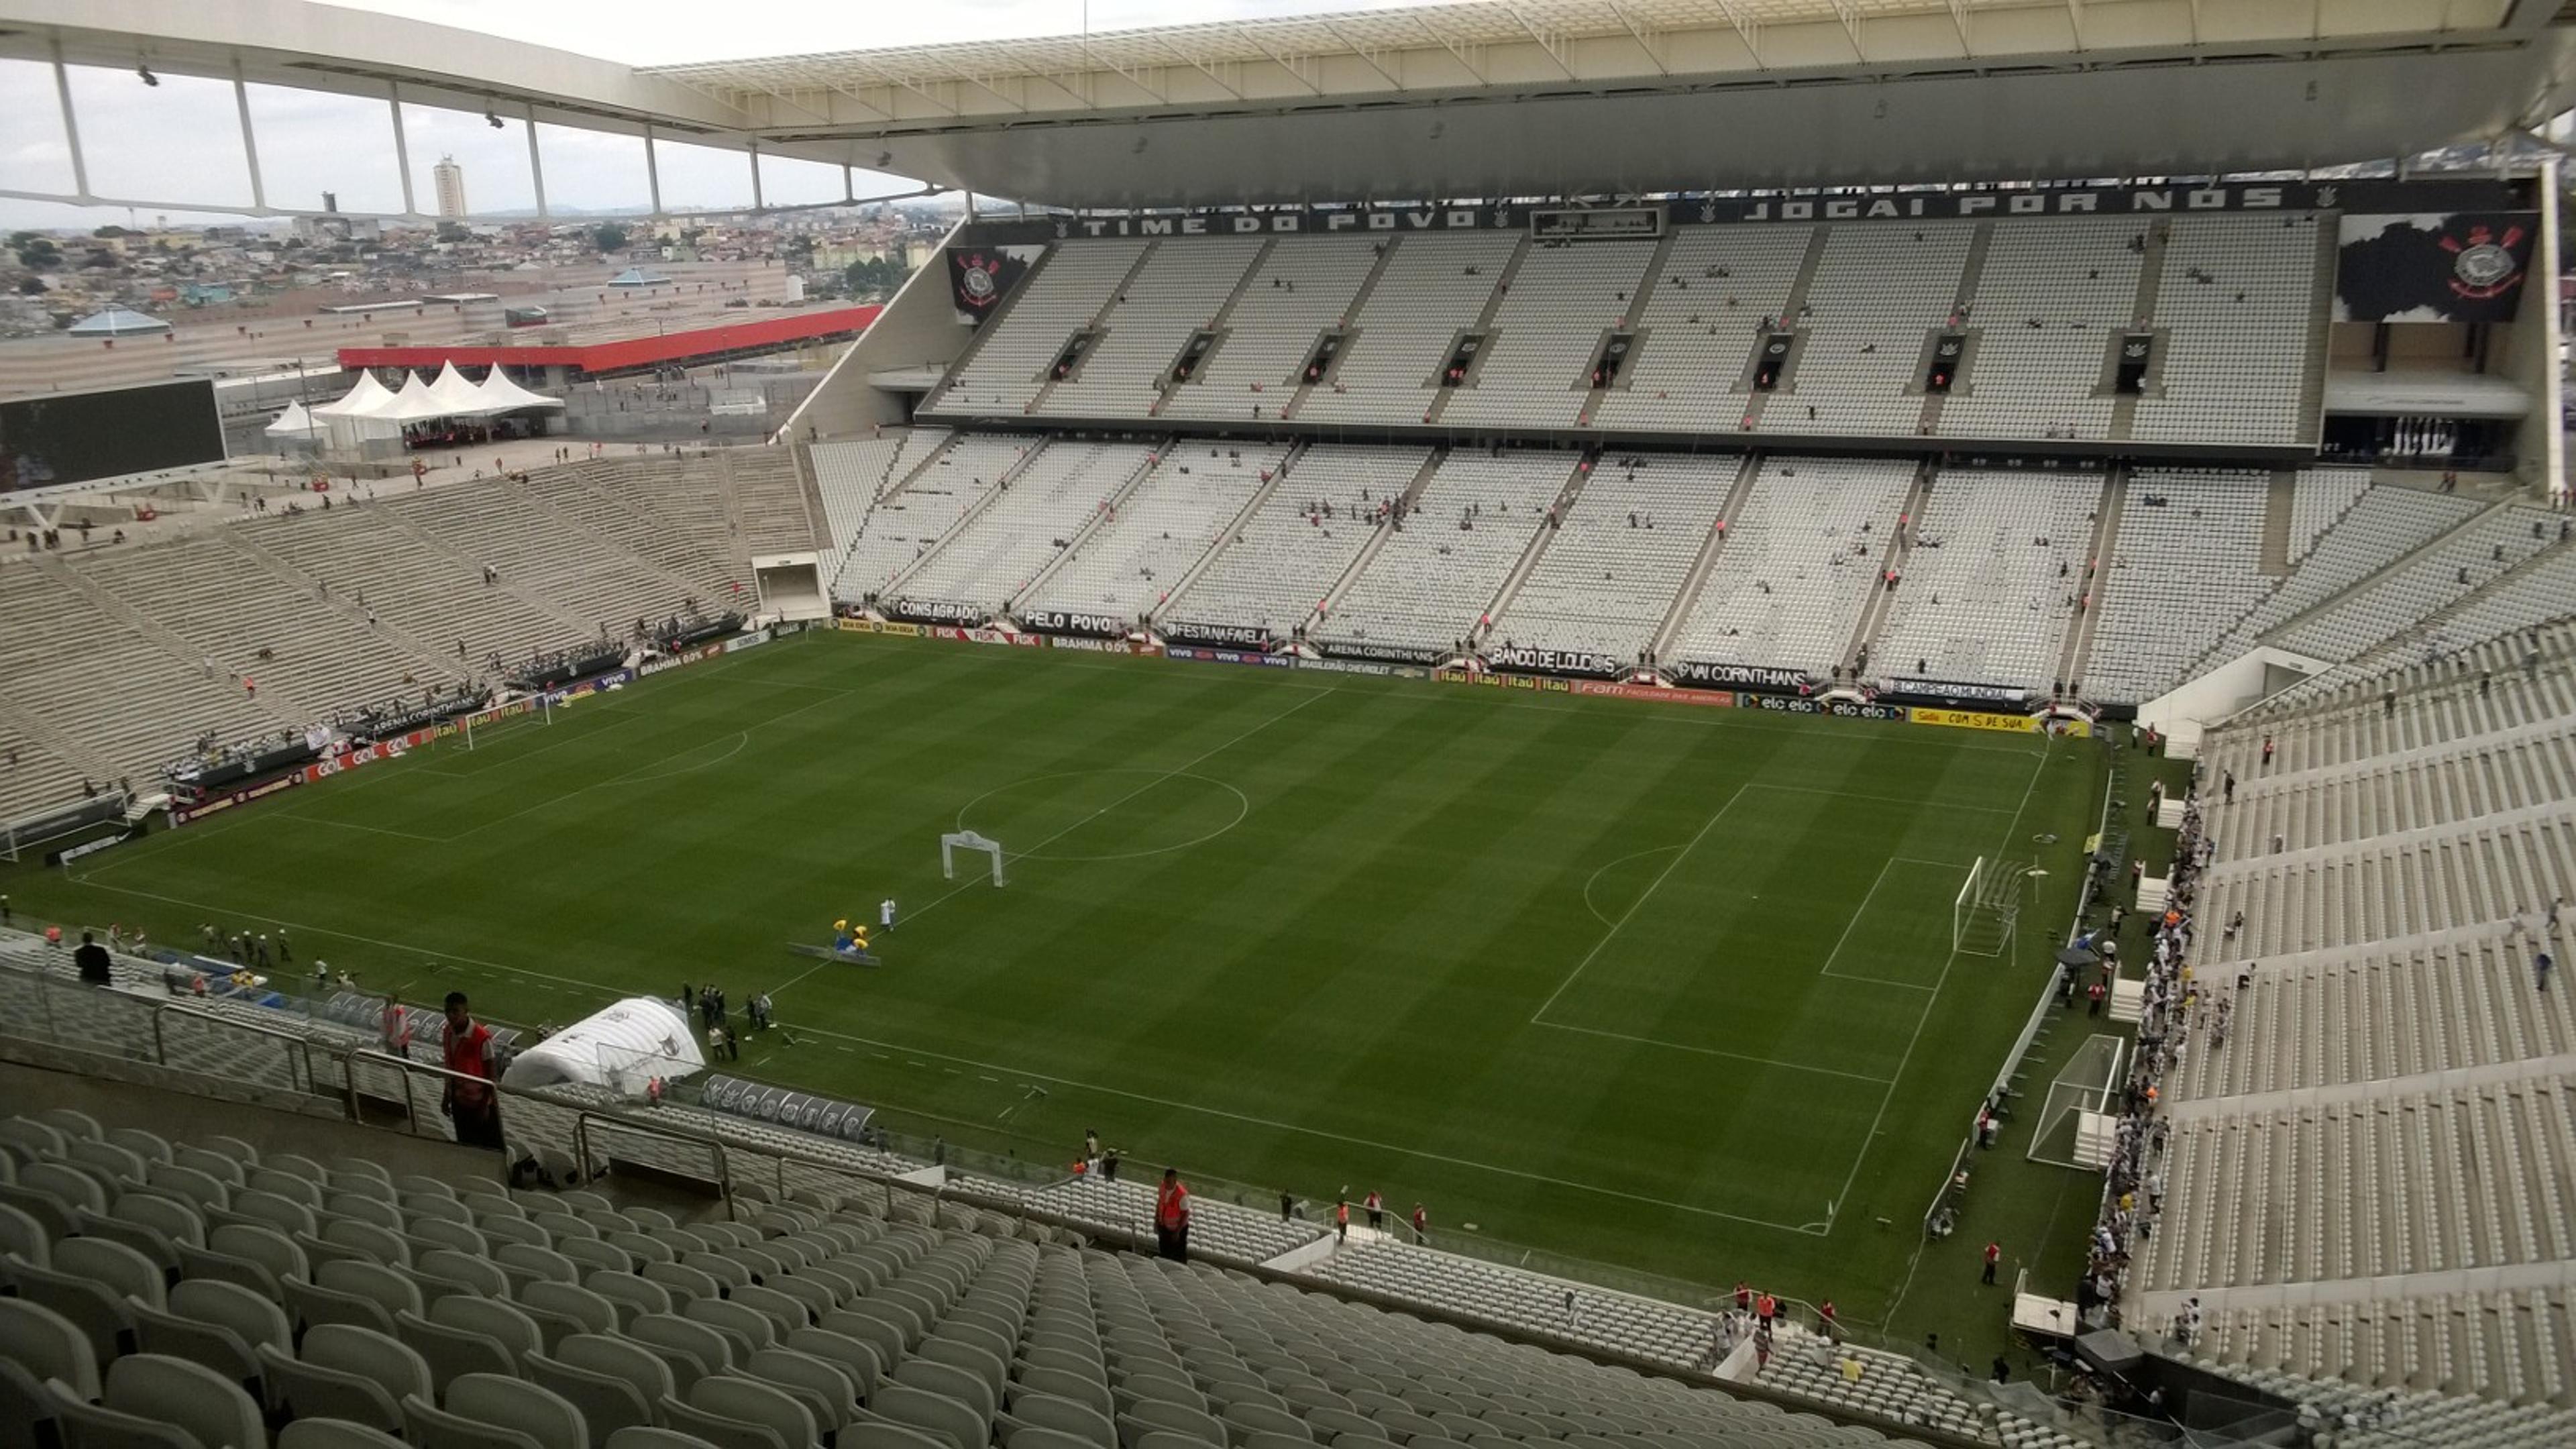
(71, 124)
(652, 169)
(250, 140)
(402, 146)
(751, 149)
(536, 163)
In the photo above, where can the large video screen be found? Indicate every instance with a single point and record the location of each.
(75, 437)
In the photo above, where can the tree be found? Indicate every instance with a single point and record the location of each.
(874, 275)
(453, 231)
(36, 253)
(31, 286)
(610, 237)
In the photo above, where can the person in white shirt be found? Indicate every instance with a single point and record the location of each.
(885, 914)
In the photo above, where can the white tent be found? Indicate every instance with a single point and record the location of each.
(358, 416)
(500, 395)
(295, 425)
(413, 404)
(455, 395)
(365, 400)
(618, 1048)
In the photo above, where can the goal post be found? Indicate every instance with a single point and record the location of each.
(2081, 1100)
(968, 840)
(1986, 910)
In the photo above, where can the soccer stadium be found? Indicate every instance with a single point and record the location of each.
(1643, 724)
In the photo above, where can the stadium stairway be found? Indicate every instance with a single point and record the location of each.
(2106, 537)
(1412, 495)
(824, 1254)
(966, 520)
(1359, 300)
(1537, 551)
(1710, 552)
(1881, 604)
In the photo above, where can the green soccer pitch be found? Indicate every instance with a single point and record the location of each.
(1663, 988)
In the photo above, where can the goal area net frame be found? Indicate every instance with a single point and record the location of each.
(968, 840)
(1986, 914)
(2089, 1083)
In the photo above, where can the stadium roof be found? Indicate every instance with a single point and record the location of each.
(1486, 98)
(117, 322)
(1487, 42)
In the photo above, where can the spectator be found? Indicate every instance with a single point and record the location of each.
(1994, 1255)
(1421, 1224)
(91, 959)
(396, 1020)
(469, 1101)
(1172, 1217)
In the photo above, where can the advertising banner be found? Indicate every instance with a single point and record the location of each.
(1058, 621)
(215, 804)
(937, 611)
(1929, 204)
(1228, 656)
(1377, 667)
(1398, 653)
(1556, 661)
(1709, 674)
(1838, 708)
(1946, 689)
(1542, 683)
(66, 856)
(1100, 646)
(652, 667)
(1223, 636)
(1605, 690)
(1976, 719)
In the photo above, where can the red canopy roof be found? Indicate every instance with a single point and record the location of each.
(628, 353)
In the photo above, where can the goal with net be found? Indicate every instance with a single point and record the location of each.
(1988, 906)
(968, 840)
(2079, 1123)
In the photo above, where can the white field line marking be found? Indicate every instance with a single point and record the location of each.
(637, 776)
(572, 737)
(1863, 909)
(1159, 779)
(1773, 1062)
(1624, 916)
(1593, 879)
(1930, 999)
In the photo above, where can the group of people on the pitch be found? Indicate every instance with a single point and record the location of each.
(851, 939)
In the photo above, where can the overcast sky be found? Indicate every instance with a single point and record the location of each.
(181, 140)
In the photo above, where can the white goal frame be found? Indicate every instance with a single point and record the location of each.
(1987, 909)
(958, 840)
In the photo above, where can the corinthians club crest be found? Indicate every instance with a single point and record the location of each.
(978, 280)
(2482, 265)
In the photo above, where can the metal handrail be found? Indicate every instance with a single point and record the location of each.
(300, 1048)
